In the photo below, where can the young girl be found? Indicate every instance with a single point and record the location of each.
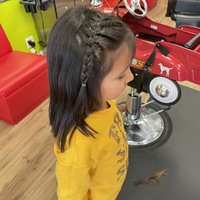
(89, 56)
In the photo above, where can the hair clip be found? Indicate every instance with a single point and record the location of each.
(84, 84)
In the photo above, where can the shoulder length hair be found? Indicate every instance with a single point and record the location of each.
(77, 63)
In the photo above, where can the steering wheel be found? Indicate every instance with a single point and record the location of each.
(135, 5)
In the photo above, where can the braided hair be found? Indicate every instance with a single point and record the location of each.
(77, 63)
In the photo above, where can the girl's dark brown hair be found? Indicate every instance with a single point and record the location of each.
(77, 63)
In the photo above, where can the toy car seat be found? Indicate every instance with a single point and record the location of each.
(184, 12)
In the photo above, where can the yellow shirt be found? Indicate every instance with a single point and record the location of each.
(94, 168)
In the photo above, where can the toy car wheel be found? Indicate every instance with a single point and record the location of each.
(164, 91)
(134, 6)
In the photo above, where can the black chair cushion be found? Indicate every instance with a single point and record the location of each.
(184, 12)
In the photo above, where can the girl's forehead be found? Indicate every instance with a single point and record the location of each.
(121, 58)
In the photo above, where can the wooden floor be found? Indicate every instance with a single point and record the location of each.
(27, 161)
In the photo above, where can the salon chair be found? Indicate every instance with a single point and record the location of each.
(184, 12)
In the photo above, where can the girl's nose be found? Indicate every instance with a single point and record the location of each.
(129, 76)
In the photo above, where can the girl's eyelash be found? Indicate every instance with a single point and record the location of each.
(122, 76)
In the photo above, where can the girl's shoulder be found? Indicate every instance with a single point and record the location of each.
(104, 113)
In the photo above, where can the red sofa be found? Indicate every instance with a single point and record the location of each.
(23, 81)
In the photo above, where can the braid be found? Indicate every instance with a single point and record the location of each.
(87, 65)
(88, 33)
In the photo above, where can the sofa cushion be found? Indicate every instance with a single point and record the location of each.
(5, 46)
(17, 69)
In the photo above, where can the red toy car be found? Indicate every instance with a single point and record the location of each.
(164, 54)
